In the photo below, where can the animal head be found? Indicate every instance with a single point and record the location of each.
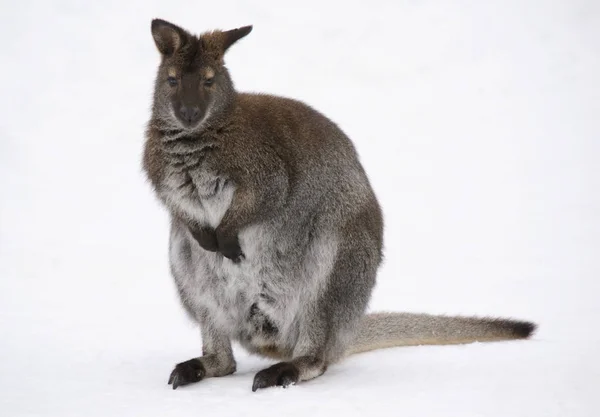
(192, 83)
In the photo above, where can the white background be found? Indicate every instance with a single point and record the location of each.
(477, 122)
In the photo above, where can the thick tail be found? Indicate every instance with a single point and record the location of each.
(383, 330)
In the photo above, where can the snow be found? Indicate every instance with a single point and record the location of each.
(476, 121)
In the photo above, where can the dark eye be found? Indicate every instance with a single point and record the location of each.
(172, 81)
(208, 82)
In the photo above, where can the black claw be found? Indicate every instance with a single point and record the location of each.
(238, 258)
(229, 246)
(285, 381)
(175, 381)
(282, 374)
(186, 373)
(256, 385)
(233, 253)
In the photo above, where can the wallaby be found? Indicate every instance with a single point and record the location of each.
(276, 234)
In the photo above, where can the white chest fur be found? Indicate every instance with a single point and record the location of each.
(202, 195)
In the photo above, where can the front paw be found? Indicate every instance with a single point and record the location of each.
(186, 373)
(206, 238)
(229, 246)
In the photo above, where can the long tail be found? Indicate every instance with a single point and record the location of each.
(383, 330)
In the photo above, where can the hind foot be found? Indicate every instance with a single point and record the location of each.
(186, 373)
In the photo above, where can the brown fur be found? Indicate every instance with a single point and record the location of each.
(284, 177)
(253, 152)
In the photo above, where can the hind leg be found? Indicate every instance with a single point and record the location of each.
(327, 326)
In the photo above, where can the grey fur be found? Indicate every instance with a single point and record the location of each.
(381, 330)
(283, 186)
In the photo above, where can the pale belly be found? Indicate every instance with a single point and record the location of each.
(257, 302)
(250, 301)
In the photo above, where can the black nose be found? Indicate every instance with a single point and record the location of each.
(189, 115)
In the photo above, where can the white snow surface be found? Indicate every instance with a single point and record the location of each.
(477, 122)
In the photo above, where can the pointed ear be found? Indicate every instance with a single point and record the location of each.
(167, 37)
(234, 35)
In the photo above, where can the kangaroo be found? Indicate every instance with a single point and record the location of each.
(276, 235)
